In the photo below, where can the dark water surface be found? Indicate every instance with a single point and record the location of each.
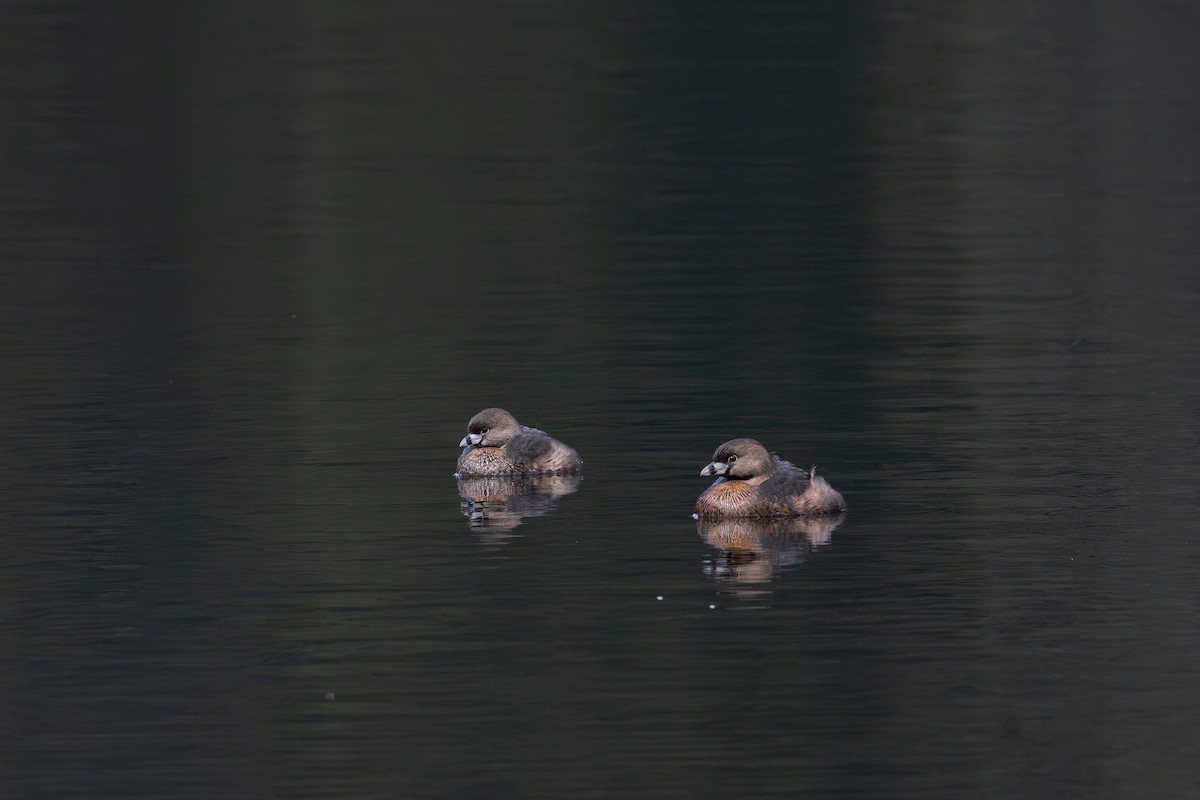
(258, 268)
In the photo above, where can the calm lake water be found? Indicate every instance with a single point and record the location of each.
(259, 268)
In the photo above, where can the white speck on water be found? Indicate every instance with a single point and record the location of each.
(659, 597)
(710, 605)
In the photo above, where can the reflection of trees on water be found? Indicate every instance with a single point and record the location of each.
(753, 549)
(502, 503)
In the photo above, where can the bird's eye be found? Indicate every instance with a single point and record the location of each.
(483, 430)
(731, 459)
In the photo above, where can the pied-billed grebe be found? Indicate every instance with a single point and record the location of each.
(755, 483)
(496, 444)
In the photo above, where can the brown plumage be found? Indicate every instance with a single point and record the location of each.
(755, 483)
(496, 444)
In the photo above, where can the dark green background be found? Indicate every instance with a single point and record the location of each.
(260, 263)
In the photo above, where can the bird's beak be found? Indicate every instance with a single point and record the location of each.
(470, 439)
(715, 468)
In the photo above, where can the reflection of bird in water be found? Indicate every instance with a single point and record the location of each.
(501, 503)
(753, 549)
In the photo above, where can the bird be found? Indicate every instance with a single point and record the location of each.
(496, 444)
(752, 482)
